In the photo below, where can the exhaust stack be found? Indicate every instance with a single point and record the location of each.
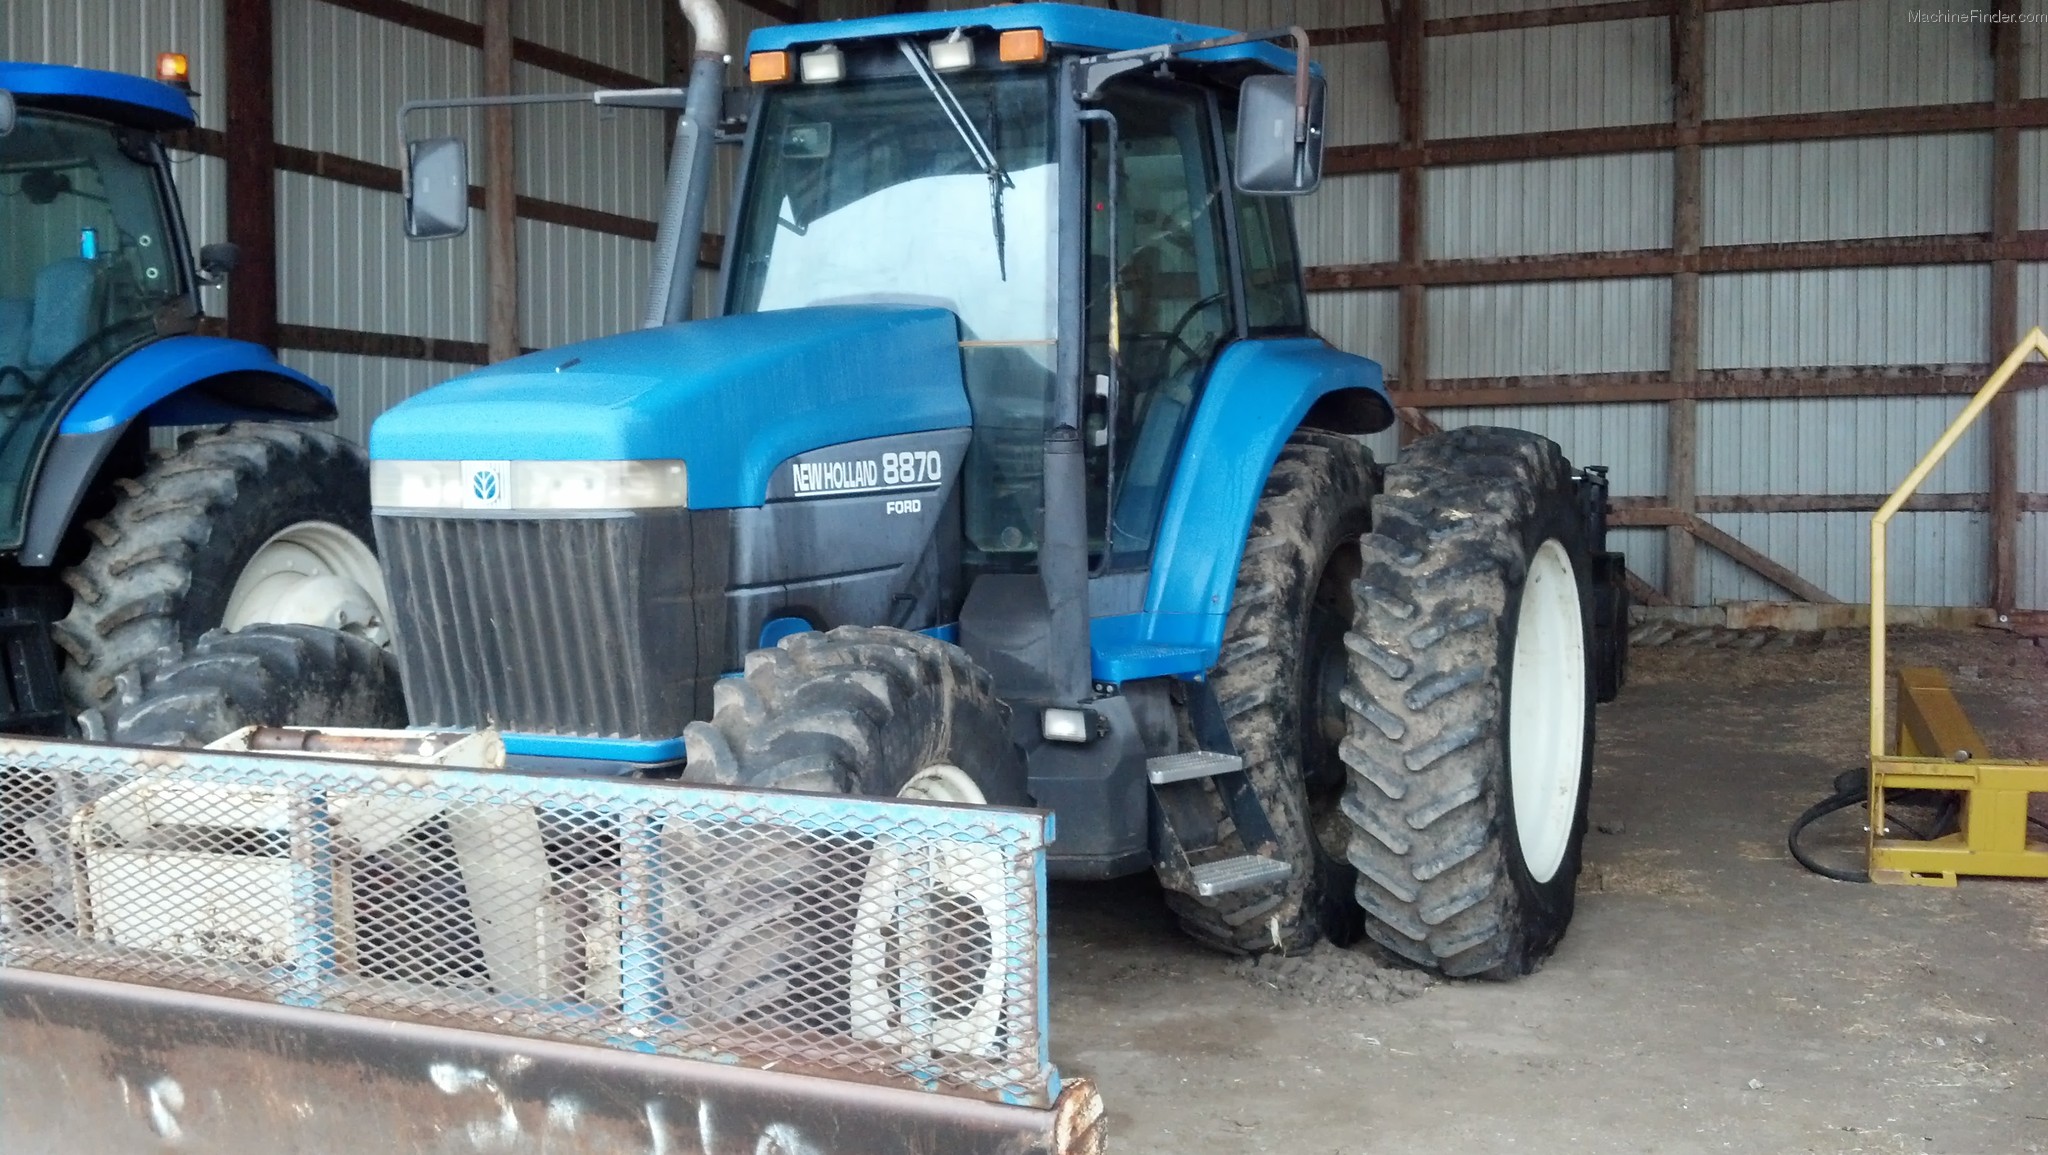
(689, 170)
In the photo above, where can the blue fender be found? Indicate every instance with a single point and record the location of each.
(197, 381)
(1258, 394)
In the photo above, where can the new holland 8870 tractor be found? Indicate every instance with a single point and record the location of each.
(1006, 472)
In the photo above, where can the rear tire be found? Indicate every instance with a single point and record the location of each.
(264, 676)
(860, 710)
(174, 556)
(1471, 704)
(1277, 682)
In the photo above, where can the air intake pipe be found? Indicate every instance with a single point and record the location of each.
(689, 169)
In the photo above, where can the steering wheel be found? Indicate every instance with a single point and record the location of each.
(1174, 338)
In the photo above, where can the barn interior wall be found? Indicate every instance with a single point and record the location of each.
(1597, 339)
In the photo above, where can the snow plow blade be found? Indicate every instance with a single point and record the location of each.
(226, 951)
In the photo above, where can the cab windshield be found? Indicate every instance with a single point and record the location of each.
(87, 261)
(866, 192)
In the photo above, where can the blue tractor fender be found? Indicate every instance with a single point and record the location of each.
(185, 380)
(1258, 394)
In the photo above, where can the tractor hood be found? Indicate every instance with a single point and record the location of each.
(733, 397)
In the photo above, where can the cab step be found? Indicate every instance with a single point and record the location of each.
(1185, 767)
(1227, 875)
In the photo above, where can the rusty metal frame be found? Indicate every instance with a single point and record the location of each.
(107, 1067)
(1937, 746)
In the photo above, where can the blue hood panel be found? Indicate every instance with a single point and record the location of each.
(733, 396)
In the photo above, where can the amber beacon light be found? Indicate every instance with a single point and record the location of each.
(173, 69)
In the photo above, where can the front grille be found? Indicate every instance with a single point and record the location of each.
(605, 626)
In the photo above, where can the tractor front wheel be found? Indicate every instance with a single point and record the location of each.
(859, 710)
(1470, 704)
(263, 676)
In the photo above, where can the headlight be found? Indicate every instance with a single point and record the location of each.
(532, 486)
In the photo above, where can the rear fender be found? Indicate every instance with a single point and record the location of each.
(1258, 394)
(176, 381)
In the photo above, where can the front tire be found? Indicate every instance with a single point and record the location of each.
(264, 676)
(1471, 707)
(860, 710)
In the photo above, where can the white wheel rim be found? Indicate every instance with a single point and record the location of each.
(943, 783)
(314, 573)
(1547, 711)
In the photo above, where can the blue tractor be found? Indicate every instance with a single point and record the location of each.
(254, 518)
(1007, 469)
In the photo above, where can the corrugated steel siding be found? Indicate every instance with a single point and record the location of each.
(1833, 445)
(2032, 408)
(1367, 323)
(1937, 559)
(2034, 179)
(1351, 220)
(1831, 57)
(625, 36)
(1588, 204)
(1904, 316)
(614, 159)
(1554, 327)
(366, 386)
(576, 284)
(2033, 562)
(342, 75)
(1359, 103)
(344, 263)
(1628, 439)
(2034, 50)
(1882, 187)
(1541, 79)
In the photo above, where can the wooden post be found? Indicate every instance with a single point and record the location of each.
(2003, 427)
(1406, 46)
(501, 188)
(1681, 449)
(251, 155)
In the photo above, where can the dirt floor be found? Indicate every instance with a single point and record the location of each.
(1711, 996)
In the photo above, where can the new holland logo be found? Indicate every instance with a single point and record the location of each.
(485, 484)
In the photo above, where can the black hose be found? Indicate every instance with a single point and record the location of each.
(1846, 795)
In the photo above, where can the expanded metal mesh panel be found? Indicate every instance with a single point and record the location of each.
(880, 941)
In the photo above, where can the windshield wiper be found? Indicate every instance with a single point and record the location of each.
(984, 156)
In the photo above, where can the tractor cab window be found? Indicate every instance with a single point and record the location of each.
(1159, 307)
(88, 260)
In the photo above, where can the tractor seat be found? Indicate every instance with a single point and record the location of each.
(64, 315)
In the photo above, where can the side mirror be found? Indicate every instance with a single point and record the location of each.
(6, 112)
(436, 188)
(1279, 144)
(217, 260)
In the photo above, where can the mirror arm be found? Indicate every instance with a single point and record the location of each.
(1099, 70)
(661, 98)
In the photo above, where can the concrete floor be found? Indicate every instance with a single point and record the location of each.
(1711, 996)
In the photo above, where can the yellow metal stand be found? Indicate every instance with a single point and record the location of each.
(1938, 748)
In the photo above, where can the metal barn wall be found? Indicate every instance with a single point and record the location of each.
(1535, 280)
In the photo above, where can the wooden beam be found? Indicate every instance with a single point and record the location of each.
(1538, 18)
(501, 189)
(1712, 385)
(1803, 126)
(1660, 507)
(1681, 426)
(1756, 257)
(1756, 562)
(2003, 426)
(354, 342)
(1407, 50)
(250, 149)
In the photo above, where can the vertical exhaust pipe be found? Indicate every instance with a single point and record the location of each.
(689, 169)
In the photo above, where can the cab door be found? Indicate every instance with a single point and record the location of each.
(1161, 301)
